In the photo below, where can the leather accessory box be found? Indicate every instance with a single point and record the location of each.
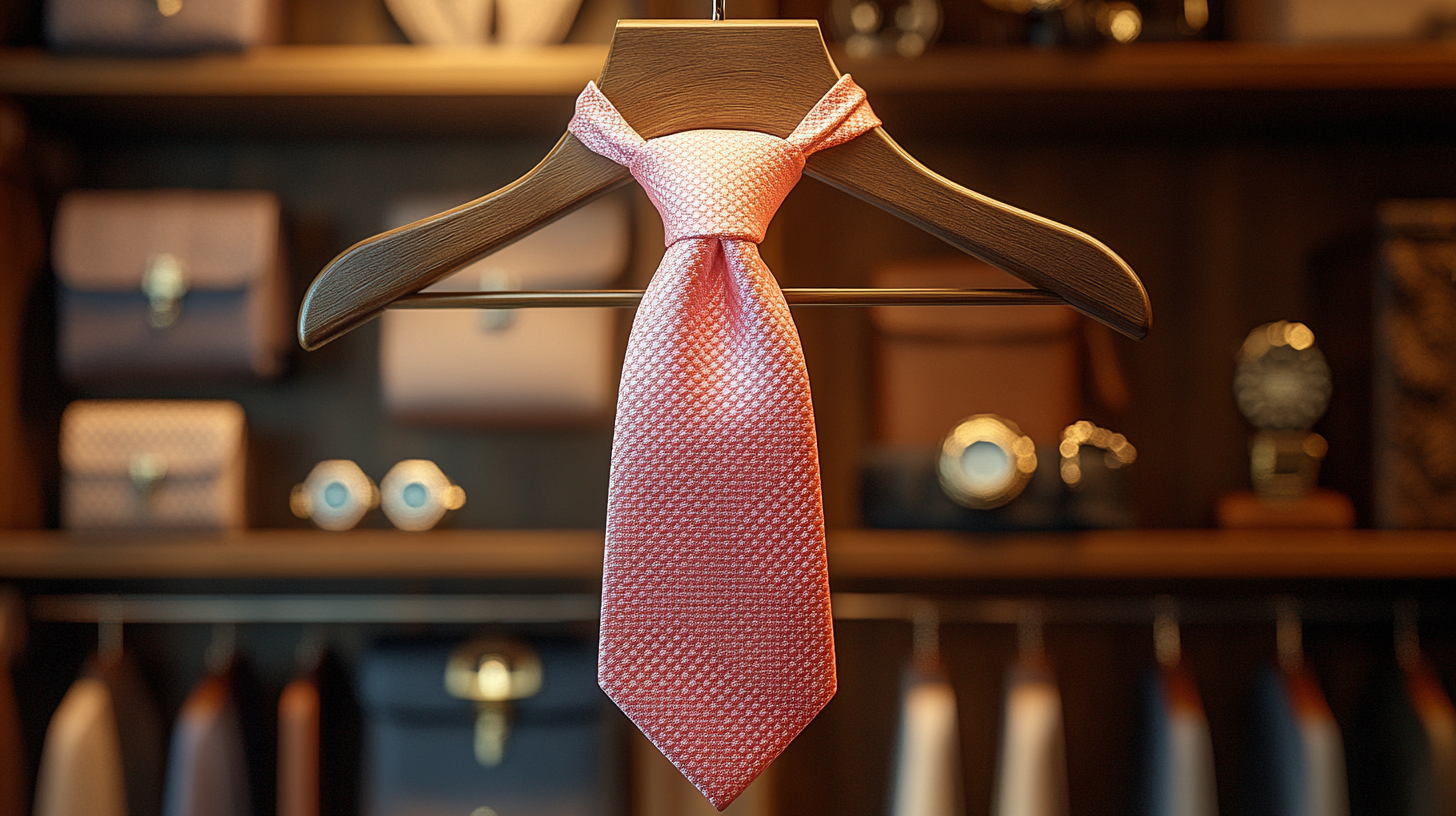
(562, 751)
(512, 366)
(170, 282)
(153, 464)
(934, 366)
(162, 26)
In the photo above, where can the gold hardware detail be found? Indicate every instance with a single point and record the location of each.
(492, 672)
(986, 462)
(146, 470)
(169, 8)
(165, 284)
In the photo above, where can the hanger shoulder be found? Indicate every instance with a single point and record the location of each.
(1051, 256)
(365, 278)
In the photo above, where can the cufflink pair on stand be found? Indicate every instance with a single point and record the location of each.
(415, 494)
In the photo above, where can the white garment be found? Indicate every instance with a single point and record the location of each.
(207, 773)
(1179, 772)
(928, 754)
(1031, 777)
(80, 765)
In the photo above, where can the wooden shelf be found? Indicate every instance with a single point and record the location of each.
(855, 555)
(301, 89)
(563, 70)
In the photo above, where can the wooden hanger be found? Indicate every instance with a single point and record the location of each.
(764, 75)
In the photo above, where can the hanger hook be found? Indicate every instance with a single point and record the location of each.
(222, 648)
(1029, 640)
(1289, 634)
(1407, 632)
(108, 630)
(1167, 639)
(925, 638)
(720, 12)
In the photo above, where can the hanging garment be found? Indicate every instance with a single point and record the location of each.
(1422, 747)
(140, 730)
(928, 751)
(81, 765)
(1031, 773)
(1299, 760)
(716, 638)
(14, 773)
(298, 748)
(1178, 775)
(207, 773)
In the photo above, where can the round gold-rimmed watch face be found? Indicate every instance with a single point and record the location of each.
(1282, 382)
(985, 462)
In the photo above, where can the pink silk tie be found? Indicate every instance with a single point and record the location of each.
(716, 637)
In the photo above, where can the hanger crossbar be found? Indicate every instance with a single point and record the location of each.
(581, 298)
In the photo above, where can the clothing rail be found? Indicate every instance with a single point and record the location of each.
(795, 297)
(580, 607)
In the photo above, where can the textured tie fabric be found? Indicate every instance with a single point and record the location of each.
(716, 638)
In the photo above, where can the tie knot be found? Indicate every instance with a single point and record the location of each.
(717, 182)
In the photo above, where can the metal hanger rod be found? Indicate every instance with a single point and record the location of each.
(795, 297)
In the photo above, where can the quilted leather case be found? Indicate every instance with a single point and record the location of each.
(526, 365)
(153, 464)
(170, 282)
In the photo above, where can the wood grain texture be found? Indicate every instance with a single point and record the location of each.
(357, 285)
(669, 76)
(854, 555)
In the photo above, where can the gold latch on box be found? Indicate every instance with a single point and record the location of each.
(145, 470)
(492, 672)
(165, 284)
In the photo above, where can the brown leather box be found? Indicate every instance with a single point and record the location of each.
(170, 282)
(153, 464)
(937, 365)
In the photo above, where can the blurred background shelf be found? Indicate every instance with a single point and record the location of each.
(399, 89)
(855, 555)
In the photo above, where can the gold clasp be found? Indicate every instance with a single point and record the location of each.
(165, 284)
(146, 470)
(492, 672)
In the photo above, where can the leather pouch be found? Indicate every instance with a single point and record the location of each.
(153, 464)
(936, 365)
(561, 755)
(170, 282)
(162, 26)
(512, 366)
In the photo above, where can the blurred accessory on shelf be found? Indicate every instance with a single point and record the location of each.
(207, 766)
(493, 672)
(162, 26)
(534, 22)
(927, 771)
(170, 283)
(988, 476)
(1282, 382)
(1296, 741)
(1415, 366)
(1031, 765)
(934, 366)
(511, 366)
(336, 495)
(876, 27)
(421, 741)
(415, 495)
(153, 464)
(1177, 777)
(1340, 20)
(444, 22)
(1285, 464)
(985, 462)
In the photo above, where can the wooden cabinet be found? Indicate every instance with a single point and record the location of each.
(1239, 180)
